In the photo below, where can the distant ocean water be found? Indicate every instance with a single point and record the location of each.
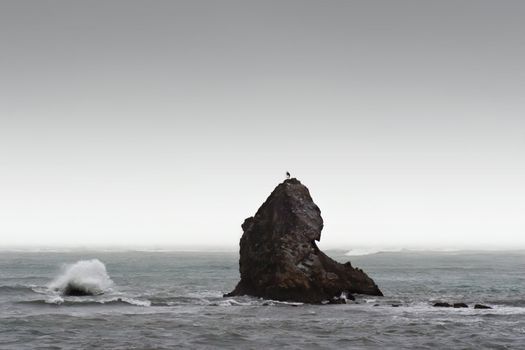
(167, 300)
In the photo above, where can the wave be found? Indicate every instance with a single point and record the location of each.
(176, 301)
(85, 277)
(233, 302)
(57, 300)
(17, 289)
(214, 301)
(277, 302)
(20, 289)
(509, 302)
(217, 301)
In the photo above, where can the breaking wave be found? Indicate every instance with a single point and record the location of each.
(57, 300)
(85, 277)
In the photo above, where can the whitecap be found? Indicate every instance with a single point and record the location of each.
(291, 303)
(55, 299)
(136, 302)
(232, 302)
(86, 276)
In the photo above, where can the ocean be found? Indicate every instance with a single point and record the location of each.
(169, 300)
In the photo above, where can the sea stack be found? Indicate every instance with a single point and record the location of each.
(279, 257)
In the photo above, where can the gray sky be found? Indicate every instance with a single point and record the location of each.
(169, 122)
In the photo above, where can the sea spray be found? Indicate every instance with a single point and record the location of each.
(85, 277)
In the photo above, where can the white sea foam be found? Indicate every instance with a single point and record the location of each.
(54, 299)
(89, 276)
(137, 302)
(233, 302)
(286, 303)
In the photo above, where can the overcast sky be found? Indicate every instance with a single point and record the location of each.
(169, 122)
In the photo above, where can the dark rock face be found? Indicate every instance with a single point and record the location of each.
(76, 291)
(280, 260)
(460, 305)
(440, 304)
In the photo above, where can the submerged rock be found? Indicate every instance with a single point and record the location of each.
(280, 260)
(440, 304)
(78, 291)
(460, 305)
(337, 301)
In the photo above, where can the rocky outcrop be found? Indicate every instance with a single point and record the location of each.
(279, 257)
(460, 305)
(441, 304)
(77, 290)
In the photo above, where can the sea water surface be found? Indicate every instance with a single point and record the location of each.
(167, 300)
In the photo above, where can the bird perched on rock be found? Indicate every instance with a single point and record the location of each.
(287, 175)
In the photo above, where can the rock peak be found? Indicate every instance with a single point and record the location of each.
(292, 181)
(279, 258)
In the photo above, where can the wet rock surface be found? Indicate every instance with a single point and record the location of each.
(77, 291)
(460, 305)
(441, 304)
(279, 257)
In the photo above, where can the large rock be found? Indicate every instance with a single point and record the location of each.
(78, 290)
(280, 260)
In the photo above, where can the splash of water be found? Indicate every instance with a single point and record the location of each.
(85, 277)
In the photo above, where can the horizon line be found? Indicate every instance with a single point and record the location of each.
(353, 250)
